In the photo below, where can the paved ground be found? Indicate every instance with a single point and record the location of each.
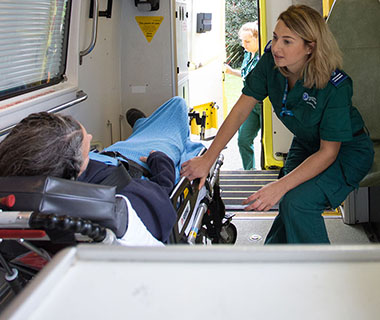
(232, 160)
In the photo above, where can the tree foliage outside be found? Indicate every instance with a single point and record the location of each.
(238, 12)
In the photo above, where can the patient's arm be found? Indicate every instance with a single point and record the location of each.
(162, 169)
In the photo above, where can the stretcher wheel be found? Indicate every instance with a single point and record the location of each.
(228, 234)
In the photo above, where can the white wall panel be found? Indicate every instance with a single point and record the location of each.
(147, 68)
(99, 74)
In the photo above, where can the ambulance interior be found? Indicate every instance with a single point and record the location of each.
(139, 54)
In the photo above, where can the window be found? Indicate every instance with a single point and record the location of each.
(33, 44)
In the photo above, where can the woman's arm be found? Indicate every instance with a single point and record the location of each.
(234, 72)
(199, 167)
(269, 195)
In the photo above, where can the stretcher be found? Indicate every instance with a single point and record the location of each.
(30, 238)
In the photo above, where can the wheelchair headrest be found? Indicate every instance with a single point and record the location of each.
(65, 197)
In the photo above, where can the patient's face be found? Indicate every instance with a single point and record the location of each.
(85, 149)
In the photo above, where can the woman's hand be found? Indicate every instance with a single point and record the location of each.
(197, 167)
(230, 70)
(270, 194)
(265, 198)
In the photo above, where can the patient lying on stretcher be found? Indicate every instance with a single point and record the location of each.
(55, 145)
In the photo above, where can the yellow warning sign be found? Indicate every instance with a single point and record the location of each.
(149, 26)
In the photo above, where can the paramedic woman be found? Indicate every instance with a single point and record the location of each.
(330, 152)
(249, 36)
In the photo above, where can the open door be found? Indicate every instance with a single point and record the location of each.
(200, 50)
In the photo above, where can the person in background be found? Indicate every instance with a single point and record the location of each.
(331, 151)
(249, 36)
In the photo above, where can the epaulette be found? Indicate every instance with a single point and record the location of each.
(268, 47)
(338, 77)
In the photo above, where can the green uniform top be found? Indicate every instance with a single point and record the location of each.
(316, 114)
(249, 63)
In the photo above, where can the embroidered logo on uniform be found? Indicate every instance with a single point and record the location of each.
(311, 101)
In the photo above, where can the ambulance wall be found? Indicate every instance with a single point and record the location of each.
(206, 55)
(147, 68)
(124, 70)
(100, 74)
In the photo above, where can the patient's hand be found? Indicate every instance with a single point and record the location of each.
(145, 159)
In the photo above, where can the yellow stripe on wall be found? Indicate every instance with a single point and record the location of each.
(267, 144)
(326, 7)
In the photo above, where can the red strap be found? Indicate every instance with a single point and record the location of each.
(21, 233)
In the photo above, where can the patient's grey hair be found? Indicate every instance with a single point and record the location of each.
(43, 144)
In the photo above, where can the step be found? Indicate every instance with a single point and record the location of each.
(237, 185)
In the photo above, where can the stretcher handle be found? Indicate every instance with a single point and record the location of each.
(80, 96)
(66, 223)
(215, 176)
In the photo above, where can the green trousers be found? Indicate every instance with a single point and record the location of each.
(247, 133)
(300, 216)
(300, 210)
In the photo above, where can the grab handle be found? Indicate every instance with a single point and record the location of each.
(95, 15)
(80, 96)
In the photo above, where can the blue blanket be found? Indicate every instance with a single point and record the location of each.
(166, 130)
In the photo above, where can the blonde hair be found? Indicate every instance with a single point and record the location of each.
(325, 56)
(251, 28)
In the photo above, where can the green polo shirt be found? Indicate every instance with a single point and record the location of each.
(249, 62)
(318, 114)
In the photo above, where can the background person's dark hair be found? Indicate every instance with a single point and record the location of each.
(43, 144)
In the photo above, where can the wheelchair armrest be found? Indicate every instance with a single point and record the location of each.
(29, 234)
(53, 195)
